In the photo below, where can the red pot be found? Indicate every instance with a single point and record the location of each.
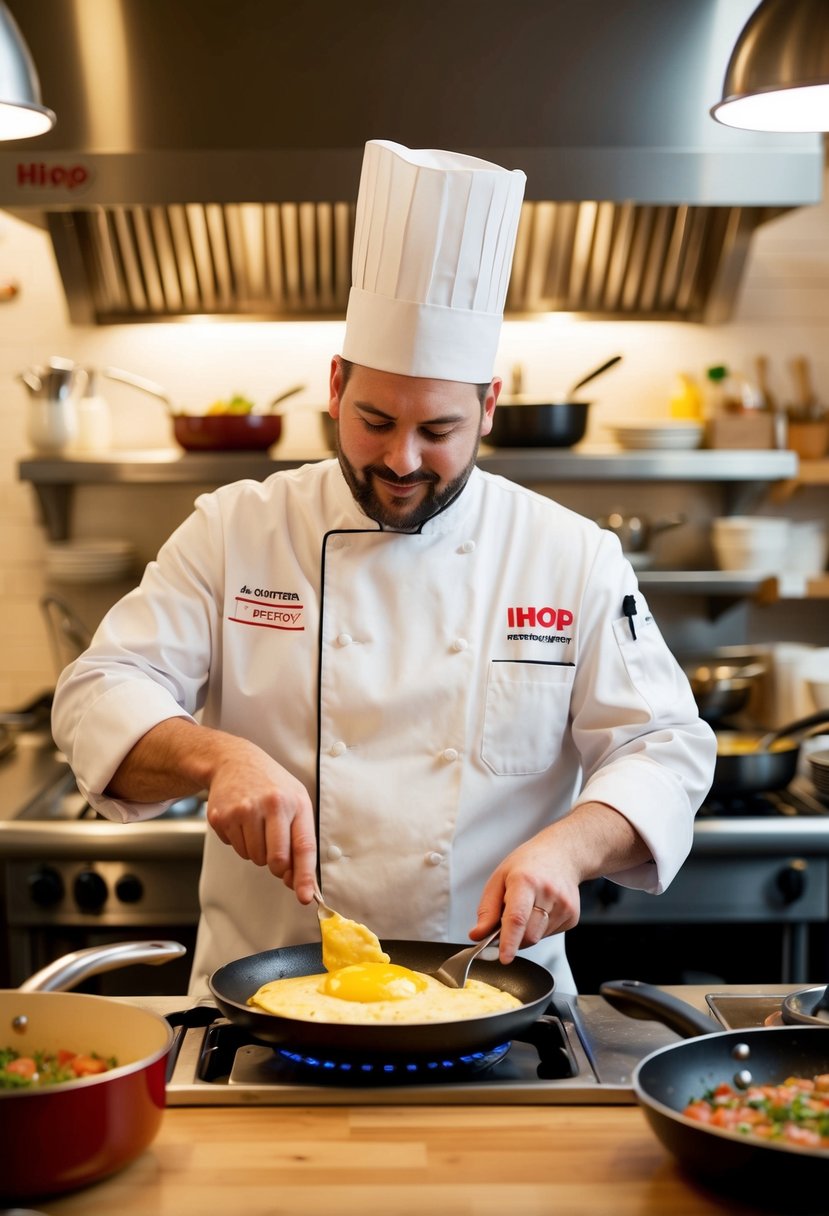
(61, 1137)
(227, 432)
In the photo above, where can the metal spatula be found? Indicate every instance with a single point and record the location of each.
(454, 971)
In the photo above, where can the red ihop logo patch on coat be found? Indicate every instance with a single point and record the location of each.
(268, 609)
(533, 624)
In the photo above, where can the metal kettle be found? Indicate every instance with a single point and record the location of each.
(54, 391)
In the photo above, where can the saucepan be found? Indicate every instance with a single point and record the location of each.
(61, 1137)
(751, 762)
(722, 689)
(555, 424)
(753, 1170)
(219, 432)
(234, 983)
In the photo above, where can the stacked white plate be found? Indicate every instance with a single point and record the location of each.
(670, 435)
(89, 561)
(819, 764)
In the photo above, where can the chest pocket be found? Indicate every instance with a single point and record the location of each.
(526, 712)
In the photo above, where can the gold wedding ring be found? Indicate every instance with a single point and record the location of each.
(543, 911)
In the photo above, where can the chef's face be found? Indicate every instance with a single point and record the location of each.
(406, 444)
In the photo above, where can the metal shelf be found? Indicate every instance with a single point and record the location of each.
(54, 478)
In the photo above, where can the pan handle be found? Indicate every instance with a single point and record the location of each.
(800, 727)
(146, 386)
(65, 972)
(638, 1000)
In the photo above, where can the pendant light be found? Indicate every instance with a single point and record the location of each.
(778, 75)
(22, 114)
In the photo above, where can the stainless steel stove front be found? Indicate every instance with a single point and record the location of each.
(601, 1046)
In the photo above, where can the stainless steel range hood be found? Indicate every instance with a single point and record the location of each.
(207, 152)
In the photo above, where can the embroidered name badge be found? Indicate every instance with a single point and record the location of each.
(268, 609)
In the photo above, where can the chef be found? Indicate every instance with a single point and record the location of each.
(441, 695)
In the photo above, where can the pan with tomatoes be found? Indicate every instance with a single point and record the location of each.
(742, 1110)
(82, 1079)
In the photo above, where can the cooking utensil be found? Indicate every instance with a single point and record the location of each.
(54, 391)
(214, 432)
(519, 423)
(538, 425)
(597, 371)
(455, 970)
(635, 532)
(63, 1137)
(810, 1007)
(667, 1079)
(723, 689)
(746, 763)
(234, 983)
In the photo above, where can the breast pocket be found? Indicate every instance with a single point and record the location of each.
(526, 712)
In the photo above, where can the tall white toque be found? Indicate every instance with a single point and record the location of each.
(433, 246)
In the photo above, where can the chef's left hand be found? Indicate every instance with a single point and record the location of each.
(534, 892)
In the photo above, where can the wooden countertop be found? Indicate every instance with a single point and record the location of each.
(404, 1161)
(396, 1161)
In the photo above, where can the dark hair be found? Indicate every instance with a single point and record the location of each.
(348, 368)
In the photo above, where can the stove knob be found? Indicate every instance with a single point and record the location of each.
(791, 881)
(46, 887)
(129, 888)
(90, 891)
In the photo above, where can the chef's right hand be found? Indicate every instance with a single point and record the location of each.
(264, 813)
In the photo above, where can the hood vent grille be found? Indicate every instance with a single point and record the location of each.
(292, 261)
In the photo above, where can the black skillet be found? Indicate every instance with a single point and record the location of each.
(668, 1079)
(232, 984)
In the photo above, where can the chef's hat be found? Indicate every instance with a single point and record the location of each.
(433, 246)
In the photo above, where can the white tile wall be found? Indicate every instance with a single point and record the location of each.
(783, 311)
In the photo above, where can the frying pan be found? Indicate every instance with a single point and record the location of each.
(667, 1079)
(232, 984)
(555, 424)
(214, 432)
(61, 1137)
(753, 772)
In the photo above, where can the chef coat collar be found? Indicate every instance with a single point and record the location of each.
(451, 515)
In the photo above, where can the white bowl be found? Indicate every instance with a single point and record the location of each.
(759, 559)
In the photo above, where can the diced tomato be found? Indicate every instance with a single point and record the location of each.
(88, 1066)
(700, 1111)
(23, 1067)
(64, 1056)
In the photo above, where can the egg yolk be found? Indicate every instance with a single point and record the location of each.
(367, 982)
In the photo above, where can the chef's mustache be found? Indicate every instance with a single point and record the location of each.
(411, 479)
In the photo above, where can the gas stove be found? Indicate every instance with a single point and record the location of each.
(581, 1051)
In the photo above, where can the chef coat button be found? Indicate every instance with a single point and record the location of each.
(468, 546)
(337, 749)
(459, 644)
(334, 852)
(450, 754)
(344, 639)
(434, 859)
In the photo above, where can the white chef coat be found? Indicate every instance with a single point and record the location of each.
(443, 696)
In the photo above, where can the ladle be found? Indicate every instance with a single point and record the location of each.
(592, 376)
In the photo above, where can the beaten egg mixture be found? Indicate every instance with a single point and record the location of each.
(361, 986)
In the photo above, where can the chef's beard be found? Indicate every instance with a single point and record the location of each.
(435, 500)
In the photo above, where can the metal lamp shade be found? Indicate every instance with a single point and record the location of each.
(22, 114)
(778, 75)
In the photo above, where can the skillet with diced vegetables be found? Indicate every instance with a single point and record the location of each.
(46, 1068)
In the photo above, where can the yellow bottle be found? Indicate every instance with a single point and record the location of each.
(686, 401)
